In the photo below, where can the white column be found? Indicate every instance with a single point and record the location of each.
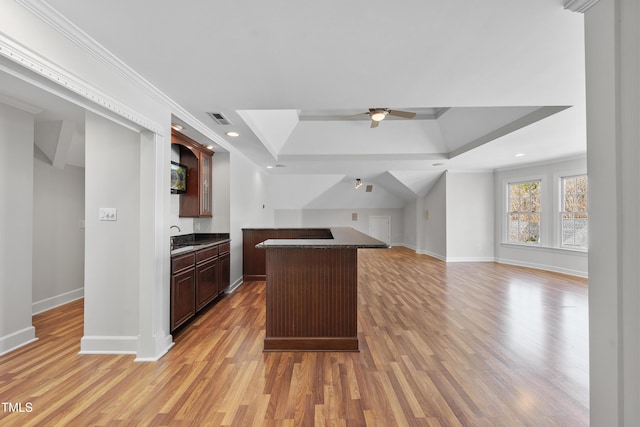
(16, 227)
(154, 339)
(613, 154)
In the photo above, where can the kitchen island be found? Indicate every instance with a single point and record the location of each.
(312, 291)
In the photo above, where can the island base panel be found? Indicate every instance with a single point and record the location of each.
(311, 299)
(310, 344)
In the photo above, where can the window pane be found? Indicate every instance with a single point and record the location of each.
(524, 207)
(569, 185)
(581, 204)
(535, 204)
(535, 189)
(514, 205)
(574, 217)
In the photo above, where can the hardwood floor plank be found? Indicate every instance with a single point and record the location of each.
(464, 344)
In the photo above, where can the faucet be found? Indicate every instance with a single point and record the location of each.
(175, 226)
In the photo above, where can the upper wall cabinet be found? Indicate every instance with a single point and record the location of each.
(196, 202)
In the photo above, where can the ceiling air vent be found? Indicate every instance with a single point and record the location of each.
(369, 188)
(219, 118)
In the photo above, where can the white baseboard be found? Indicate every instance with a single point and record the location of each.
(162, 347)
(551, 268)
(470, 259)
(56, 301)
(234, 285)
(413, 248)
(108, 345)
(432, 254)
(17, 339)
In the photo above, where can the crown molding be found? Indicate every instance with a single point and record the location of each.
(49, 15)
(69, 86)
(46, 13)
(580, 6)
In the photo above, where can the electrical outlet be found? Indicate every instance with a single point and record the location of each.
(108, 214)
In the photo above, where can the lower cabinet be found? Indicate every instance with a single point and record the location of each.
(224, 272)
(206, 282)
(183, 305)
(197, 278)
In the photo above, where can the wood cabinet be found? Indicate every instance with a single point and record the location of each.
(183, 288)
(196, 202)
(253, 260)
(198, 278)
(224, 268)
(206, 282)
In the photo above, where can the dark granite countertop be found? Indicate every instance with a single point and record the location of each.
(343, 237)
(192, 242)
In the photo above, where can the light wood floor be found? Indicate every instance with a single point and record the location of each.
(463, 344)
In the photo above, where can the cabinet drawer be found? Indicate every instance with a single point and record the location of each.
(205, 254)
(181, 262)
(223, 248)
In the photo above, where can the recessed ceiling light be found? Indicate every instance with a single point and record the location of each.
(210, 147)
(176, 126)
(232, 133)
(520, 155)
(270, 167)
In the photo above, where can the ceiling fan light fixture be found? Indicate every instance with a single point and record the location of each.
(378, 116)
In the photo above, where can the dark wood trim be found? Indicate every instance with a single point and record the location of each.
(311, 344)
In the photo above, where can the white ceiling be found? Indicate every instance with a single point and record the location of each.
(284, 73)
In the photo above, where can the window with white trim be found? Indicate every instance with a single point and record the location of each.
(524, 210)
(574, 218)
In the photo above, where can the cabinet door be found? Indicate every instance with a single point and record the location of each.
(206, 283)
(183, 302)
(205, 185)
(224, 272)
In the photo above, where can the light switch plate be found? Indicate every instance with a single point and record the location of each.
(108, 214)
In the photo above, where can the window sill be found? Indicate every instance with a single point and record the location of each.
(545, 248)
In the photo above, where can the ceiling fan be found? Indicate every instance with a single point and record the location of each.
(379, 114)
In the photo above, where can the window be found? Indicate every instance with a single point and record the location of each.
(573, 215)
(524, 212)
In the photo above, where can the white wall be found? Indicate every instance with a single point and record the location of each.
(58, 233)
(112, 251)
(330, 201)
(470, 216)
(548, 255)
(433, 240)
(343, 218)
(221, 195)
(410, 224)
(249, 206)
(16, 227)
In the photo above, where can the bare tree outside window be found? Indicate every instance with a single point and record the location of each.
(574, 217)
(524, 212)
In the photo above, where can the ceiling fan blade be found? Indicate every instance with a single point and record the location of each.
(374, 124)
(355, 116)
(405, 114)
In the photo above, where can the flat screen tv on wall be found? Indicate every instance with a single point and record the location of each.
(178, 178)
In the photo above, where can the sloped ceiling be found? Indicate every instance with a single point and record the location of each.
(506, 77)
